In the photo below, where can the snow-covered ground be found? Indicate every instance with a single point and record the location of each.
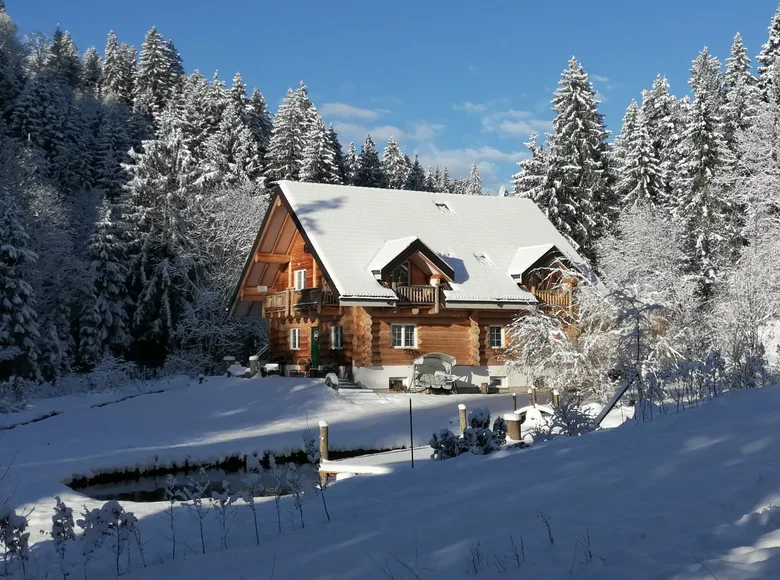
(691, 495)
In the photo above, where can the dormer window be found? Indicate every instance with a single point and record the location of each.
(443, 208)
(400, 275)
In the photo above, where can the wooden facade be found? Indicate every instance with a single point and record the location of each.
(303, 310)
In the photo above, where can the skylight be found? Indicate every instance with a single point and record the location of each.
(443, 208)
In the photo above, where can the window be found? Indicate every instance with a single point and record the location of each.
(403, 336)
(443, 208)
(337, 337)
(497, 382)
(496, 337)
(401, 275)
(295, 339)
(300, 279)
(397, 384)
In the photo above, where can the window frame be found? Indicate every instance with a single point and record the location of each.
(403, 342)
(502, 340)
(334, 334)
(405, 264)
(295, 338)
(295, 279)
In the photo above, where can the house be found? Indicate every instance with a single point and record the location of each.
(369, 279)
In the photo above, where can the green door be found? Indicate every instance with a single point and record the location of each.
(315, 347)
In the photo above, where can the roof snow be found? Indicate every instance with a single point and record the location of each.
(356, 231)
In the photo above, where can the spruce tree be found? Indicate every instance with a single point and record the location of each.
(158, 74)
(640, 176)
(529, 181)
(91, 72)
(285, 149)
(415, 180)
(194, 117)
(232, 157)
(259, 121)
(576, 196)
(369, 171)
(89, 347)
(474, 182)
(707, 80)
(350, 164)
(742, 95)
(445, 183)
(338, 153)
(394, 165)
(767, 73)
(119, 69)
(319, 161)
(109, 296)
(430, 180)
(19, 332)
(63, 60)
(659, 114)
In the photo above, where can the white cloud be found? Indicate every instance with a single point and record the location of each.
(599, 78)
(343, 110)
(513, 123)
(352, 132)
(387, 101)
(470, 107)
(600, 97)
(424, 131)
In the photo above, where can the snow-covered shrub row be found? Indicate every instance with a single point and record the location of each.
(477, 438)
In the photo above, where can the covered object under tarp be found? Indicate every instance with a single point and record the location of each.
(433, 371)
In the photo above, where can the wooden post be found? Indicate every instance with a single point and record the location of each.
(513, 427)
(254, 364)
(556, 397)
(324, 440)
(514, 401)
(462, 417)
(532, 396)
(483, 388)
(411, 432)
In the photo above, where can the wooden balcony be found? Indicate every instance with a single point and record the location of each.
(559, 298)
(416, 294)
(290, 301)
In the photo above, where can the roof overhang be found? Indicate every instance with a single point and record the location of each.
(488, 305)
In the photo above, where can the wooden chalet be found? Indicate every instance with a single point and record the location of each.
(367, 280)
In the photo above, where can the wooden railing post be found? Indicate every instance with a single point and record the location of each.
(514, 401)
(532, 396)
(324, 440)
(556, 397)
(462, 418)
(513, 427)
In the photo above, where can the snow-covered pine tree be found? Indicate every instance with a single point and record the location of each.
(707, 79)
(576, 194)
(259, 121)
(767, 73)
(350, 164)
(238, 93)
(415, 180)
(658, 110)
(338, 153)
(640, 178)
(112, 143)
(445, 183)
(157, 77)
(699, 203)
(91, 72)
(474, 182)
(217, 100)
(162, 267)
(394, 165)
(529, 181)
(119, 69)
(430, 180)
(742, 94)
(285, 148)
(63, 60)
(109, 294)
(231, 155)
(369, 171)
(319, 161)
(89, 347)
(19, 332)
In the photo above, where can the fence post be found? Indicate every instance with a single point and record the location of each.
(556, 397)
(513, 427)
(532, 396)
(462, 418)
(514, 401)
(324, 440)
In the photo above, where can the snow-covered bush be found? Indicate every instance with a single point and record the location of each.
(13, 394)
(313, 456)
(110, 522)
(62, 533)
(193, 493)
(112, 373)
(297, 489)
(14, 541)
(569, 419)
(445, 444)
(499, 430)
(479, 418)
(254, 488)
(480, 441)
(279, 478)
(172, 495)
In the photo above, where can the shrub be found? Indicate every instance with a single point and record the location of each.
(499, 430)
(479, 418)
(446, 445)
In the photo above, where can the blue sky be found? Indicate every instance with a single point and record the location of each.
(454, 81)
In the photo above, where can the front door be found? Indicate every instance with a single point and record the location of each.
(315, 347)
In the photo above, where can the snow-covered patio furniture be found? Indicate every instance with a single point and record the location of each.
(433, 371)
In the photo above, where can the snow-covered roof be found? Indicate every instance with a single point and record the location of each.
(354, 229)
(526, 257)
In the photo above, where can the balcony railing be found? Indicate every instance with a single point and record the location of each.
(416, 294)
(304, 299)
(559, 298)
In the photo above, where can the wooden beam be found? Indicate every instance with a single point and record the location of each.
(314, 273)
(272, 258)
